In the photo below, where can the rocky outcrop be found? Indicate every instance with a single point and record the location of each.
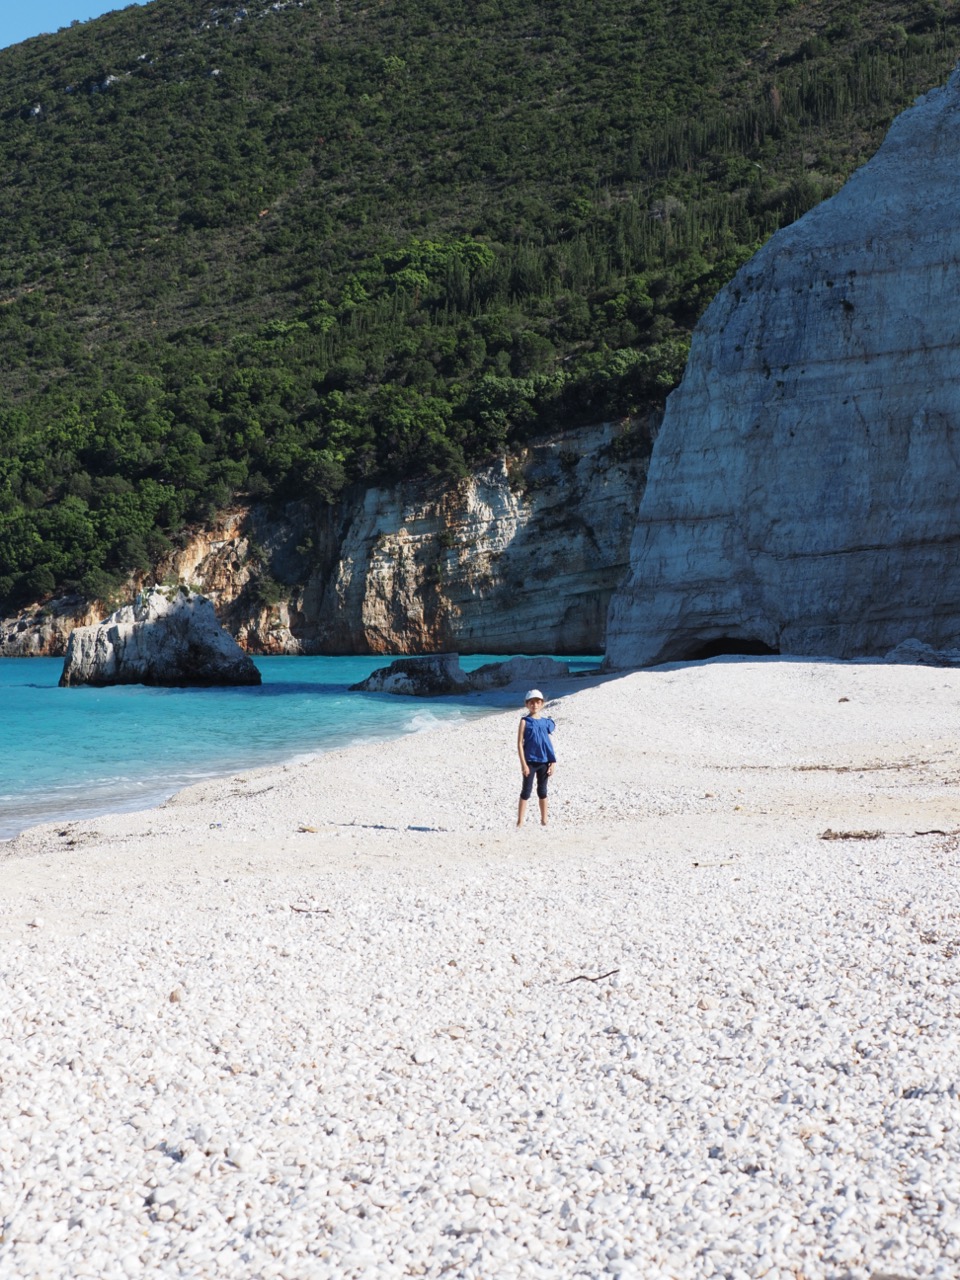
(802, 495)
(42, 631)
(431, 676)
(163, 639)
(441, 673)
(517, 671)
(522, 556)
(219, 561)
(915, 653)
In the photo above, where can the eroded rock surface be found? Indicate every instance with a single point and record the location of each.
(923, 655)
(437, 674)
(522, 556)
(42, 631)
(163, 639)
(802, 493)
(431, 676)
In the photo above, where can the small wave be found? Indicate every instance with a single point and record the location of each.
(132, 746)
(423, 720)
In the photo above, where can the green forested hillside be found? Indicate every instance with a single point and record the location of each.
(271, 249)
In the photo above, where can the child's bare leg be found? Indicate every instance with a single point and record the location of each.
(521, 812)
(543, 811)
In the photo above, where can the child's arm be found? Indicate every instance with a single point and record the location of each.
(523, 759)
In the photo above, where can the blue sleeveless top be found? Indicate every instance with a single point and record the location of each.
(537, 747)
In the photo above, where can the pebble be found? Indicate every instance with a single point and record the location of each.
(772, 1074)
(242, 1154)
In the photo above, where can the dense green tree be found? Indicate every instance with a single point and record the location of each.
(281, 249)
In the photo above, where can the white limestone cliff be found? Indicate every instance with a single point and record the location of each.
(163, 639)
(802, 495)
(43, 630)
(522, 556)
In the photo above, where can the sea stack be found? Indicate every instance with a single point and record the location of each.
(802, 493)
(164, 638)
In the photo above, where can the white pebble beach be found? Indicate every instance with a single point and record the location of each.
(341, 1019)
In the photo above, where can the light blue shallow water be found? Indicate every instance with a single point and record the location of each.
(67, 753)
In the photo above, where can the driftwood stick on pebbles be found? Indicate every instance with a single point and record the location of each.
(585, 977)
(851, 835)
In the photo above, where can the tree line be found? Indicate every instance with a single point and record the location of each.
(280, 254)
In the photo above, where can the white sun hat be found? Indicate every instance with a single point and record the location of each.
(533, 693)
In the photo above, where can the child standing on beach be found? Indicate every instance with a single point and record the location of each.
(537, 756)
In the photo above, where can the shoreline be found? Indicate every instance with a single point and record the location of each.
(116, 787)
(651, 774)
(340, 1018)
(159, 796)
(476, 705)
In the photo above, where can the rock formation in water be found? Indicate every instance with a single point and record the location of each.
(437, 674)
(802, 493)
(162, 639)
(430, 676)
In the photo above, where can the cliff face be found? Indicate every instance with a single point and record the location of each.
(520, 557)
(219, 557)
(42, 631)
(802, 494)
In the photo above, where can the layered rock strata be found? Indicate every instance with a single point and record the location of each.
(163, 639)
(42, 631)
(802, 494)
(521, 557)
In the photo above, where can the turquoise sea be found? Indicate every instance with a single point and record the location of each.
(67, 753)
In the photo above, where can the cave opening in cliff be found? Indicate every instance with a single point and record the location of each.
(730, 646)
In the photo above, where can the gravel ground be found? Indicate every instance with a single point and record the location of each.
(342, 1019)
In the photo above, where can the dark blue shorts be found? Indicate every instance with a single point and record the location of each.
(538, 771)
